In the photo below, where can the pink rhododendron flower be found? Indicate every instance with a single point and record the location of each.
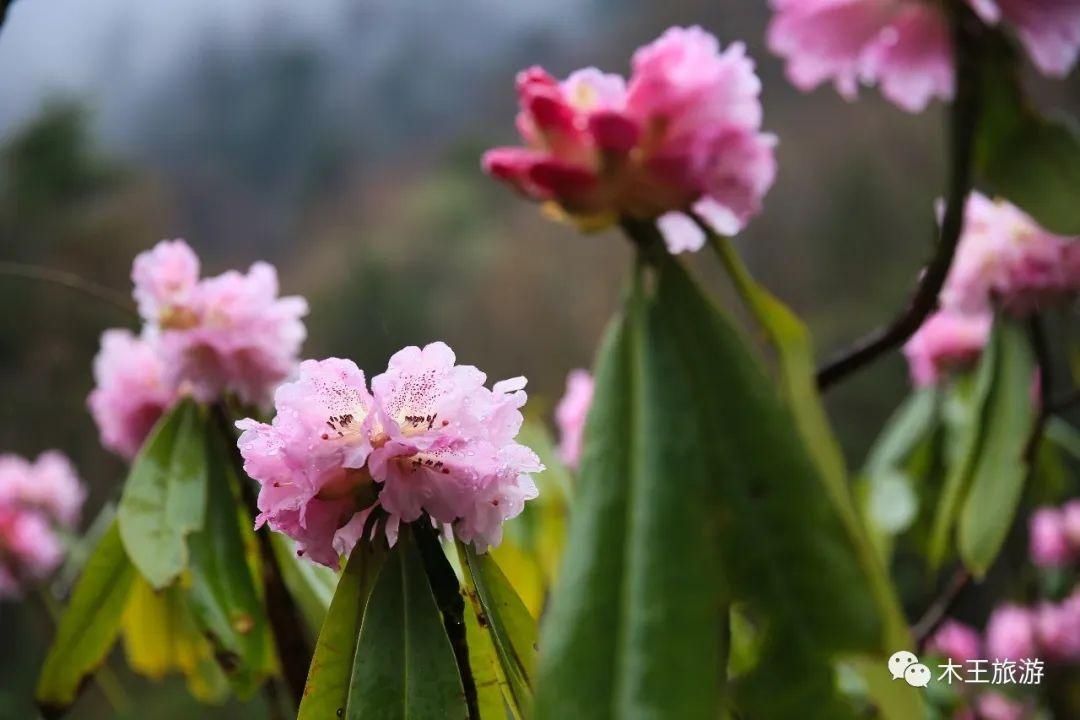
(1004, 255)
(570, 415)
(1057, 627)
(230, 333)
(35, 498)
(1048, 542)
(684, 133)
(131, 391)
(1010, 633)
(1070, 518)
(428, 438)
(1048, 29)
(225, 334)
(995, 706)
(903, 46)
(165, 278)
(29, 549)
(49, 485)
(310, 460)
(946, 341)
(955, 640)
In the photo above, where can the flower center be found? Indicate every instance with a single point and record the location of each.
(177, 317)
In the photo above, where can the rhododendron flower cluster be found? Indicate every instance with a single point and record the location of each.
(1046, 629)
(1003, 259)
(225, 334)
(904, 46)
(570, 415)
(995, 706)
(1011, 634)
(955, 640)
(1054, 535)
(1050, 630)
(428, 438)
(946, 341)
(35, 500)
(683, 133)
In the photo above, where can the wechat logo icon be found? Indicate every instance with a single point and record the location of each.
(904, 665)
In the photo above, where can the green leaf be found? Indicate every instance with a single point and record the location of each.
(904, 430)
(162, 637)
(310, 584)
(326, 693)
(894, 700)
(1064, 435)
(164, 497)
(223, 594)
(889, 501)
(491, 685)
(695, 489)
(1031, 160)
(794, 350)
(404, 667)
(498, 608)
(795, 354)
(89, 626)
(999, 468)
(961, 416)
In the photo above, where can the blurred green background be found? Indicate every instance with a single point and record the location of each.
(340, 140)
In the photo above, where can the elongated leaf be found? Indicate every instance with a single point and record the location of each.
(404, 667)
(1064, 435)
(326, 693)
(223, 593)
(1031, 160)
(90, 624)
(695, 487)
(161, 637)
(513, 629)
(311, 585)
(792, 343)
(164, 497)
(911, 422)
(795, 352)
(491, 685)
(889, 502)
(999, 468)
(578, 669)
(961, 411)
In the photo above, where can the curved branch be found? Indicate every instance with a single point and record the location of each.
(963, 121)
(939, 609)
(68, 280)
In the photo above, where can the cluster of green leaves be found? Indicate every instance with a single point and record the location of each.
(406, 637)
(697, 490)
(952, 464)
(176, 573)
